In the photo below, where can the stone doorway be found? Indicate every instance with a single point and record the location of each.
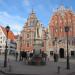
(61, 52)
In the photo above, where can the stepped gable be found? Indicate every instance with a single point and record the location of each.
(32, 20)
(62, 17)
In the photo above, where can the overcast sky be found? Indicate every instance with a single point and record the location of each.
(15, 12)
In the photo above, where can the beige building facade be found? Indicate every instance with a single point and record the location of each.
(33, 29)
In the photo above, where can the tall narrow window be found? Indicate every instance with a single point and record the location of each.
(27, 35)
(42, 44)
(27, 44)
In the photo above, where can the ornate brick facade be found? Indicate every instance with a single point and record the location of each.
(62, 17)
(59, 20)
(28, 33)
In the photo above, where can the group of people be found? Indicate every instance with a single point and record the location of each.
(25, 56)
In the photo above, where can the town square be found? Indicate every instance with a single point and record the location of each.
(37, 37)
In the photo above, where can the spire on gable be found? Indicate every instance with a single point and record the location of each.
(32, 15)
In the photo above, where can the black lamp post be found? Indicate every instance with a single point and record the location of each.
(5, 57)
(67, 30)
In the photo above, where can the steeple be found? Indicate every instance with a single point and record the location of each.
(32, 15)
(33, 11)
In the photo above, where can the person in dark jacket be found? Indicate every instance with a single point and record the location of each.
(16, 56)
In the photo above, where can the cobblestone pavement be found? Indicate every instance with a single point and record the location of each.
(19, 68)
(2, 74)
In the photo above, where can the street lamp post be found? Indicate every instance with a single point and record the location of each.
(5, 57)
(67, 30)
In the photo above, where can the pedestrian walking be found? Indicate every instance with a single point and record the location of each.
(16, 56)
(55, 57)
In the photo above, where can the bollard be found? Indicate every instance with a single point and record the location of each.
(10, 68)
(58, 69)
